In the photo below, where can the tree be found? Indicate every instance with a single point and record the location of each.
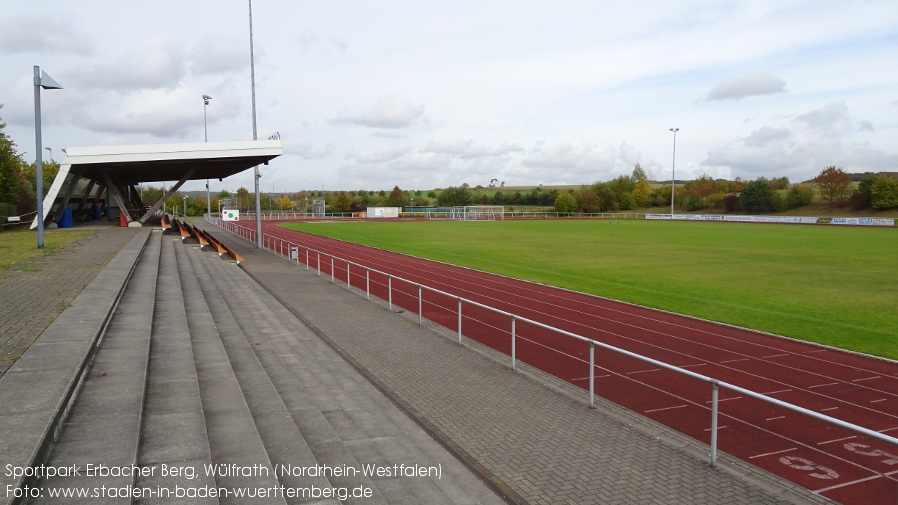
(757, 196)
(395, 199)
(10, 169)
(452, 196)
(342, 202)
(833, 184)
(639, 174)
(884, 191)
(565, 202)
(242, 197)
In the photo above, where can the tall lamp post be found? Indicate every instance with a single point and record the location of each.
(206, 99)
(252, 77)
(41, 80)
(673, 172)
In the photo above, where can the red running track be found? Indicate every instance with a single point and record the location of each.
(829, 460)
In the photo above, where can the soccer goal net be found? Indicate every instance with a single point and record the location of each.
(478, 213)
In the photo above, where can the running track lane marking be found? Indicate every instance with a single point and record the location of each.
(587, 378)
(775, 392)
(644, 371)
(776, 355)
(837, 440)
(823, 385)
(837, 486)
(724, 399)
(665, 408)
(831, 408)
(880, 400)
(734, 360)
(774, 418)
(772, 453)
(867, 379)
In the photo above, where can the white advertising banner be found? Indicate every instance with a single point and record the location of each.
(230, 215)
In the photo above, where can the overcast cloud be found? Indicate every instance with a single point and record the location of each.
(426, 94)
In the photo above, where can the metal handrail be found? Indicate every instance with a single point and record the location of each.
(715, 383)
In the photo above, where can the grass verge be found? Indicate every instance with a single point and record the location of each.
(20, 246)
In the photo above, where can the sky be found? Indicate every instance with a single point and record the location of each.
(369, 95)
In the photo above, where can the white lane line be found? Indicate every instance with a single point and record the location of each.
(836, 440)
(644, 371)
(831, 408)
(665, 408)
(888, 429)
(772, 453)
(823, 385)
(724, 399)
(880, 400)
(719, 428)
(774, 418)
(837, 486)
(776, 355)
(867, 378)
(696, 364)
(780, 391)
(587, 378)
(734, 360)
(818, 350)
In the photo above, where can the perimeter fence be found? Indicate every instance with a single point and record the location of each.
(447, 310)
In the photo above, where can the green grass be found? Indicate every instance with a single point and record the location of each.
(833, 285)
(19, 246)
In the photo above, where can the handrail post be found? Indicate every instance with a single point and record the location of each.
(390, 290)
(459, 320)
(592, 375)
(513, 354)
(348, 285)
(332, 269)
(307, 258)
(319, 263)
(420, 307)
(714, 395)
(368, 283)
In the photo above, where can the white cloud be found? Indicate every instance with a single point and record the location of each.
(158, 62)
(391, 111)
(751, 84)
(799, 148)
(34, 34)
(308, 150)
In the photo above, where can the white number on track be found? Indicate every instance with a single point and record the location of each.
(856, 448)
(805, 464)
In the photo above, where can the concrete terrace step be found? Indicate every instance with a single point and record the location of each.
(281, 438)
(234, 440)
(39, 390)
(104, 425)
(344, 418)
(173, 404)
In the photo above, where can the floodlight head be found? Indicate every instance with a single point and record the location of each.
(206, 99)
(675, 130)
(47, 82)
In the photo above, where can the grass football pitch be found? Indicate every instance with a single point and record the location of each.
(828, 284)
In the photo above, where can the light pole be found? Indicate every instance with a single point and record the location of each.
(673, 172)
(206, 99)
(51, 152)
(41, 80)
(185, 206)
(252, 77)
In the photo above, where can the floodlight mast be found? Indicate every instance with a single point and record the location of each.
(252, 76)
(673, 176)
(206, 99)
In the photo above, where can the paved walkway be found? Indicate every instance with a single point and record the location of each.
(34, 293)
(530, 433)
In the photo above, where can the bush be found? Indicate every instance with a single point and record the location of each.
(885, 192)
(779, 202)
(859, 200)
(693, 203)
(799, 195)
(730, 203)
(565, 202)
(757, 196)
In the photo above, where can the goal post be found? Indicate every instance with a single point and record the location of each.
(478, 213)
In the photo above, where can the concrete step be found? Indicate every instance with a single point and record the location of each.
(236, 447)
(283, 441)
(345, 419)
(104, 425)
(173, 435)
